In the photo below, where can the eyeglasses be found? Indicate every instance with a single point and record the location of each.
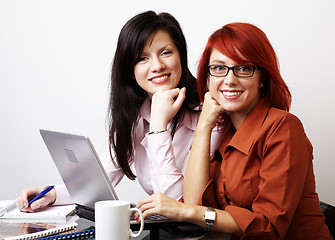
(241, 71)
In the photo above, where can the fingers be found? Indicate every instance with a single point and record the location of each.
(180, 98)
(210, 112)
(40, 203)
(25, 195)
(160, 204)
(149, 206)
(144, 206)
(164, 106)
(174, 96)
(29, 193)
(210, 102)
(174, 92)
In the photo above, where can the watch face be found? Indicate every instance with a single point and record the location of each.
(210, 215)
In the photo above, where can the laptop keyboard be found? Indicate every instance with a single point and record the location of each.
(155, 217)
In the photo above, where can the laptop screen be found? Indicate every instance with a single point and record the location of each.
(80, 168)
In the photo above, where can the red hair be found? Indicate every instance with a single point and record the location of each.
(236, 39)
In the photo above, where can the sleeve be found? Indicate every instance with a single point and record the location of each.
(208, 197)
(62, 195)
(285, 159)
(166, 177)
(114, 174)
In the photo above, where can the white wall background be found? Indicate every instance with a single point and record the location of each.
(55, 58)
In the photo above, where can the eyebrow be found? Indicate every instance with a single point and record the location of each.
(216, 61)
(221, 62)
(165, 46)
(169, 45)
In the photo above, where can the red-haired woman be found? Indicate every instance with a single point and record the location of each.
(260, 182)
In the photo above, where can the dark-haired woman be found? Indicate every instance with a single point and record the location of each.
(153, 110)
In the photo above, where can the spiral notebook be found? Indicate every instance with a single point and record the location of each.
(44, 233)
(82, 235)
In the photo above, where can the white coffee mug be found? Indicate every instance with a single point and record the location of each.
(112, 220)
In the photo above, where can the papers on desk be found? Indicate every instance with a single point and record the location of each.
(9, 229)
(50, 213)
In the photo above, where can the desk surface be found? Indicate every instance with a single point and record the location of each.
(173, 231)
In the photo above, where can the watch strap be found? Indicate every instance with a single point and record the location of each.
(210, 220)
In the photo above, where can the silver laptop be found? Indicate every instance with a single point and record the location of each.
(82, 172)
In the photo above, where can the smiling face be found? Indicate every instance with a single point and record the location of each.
(159, 66)
(237, 95)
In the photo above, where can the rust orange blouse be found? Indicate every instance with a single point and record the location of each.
(262, 175)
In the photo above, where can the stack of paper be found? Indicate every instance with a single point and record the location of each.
(52, 213)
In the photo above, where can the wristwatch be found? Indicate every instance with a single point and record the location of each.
(210, 217)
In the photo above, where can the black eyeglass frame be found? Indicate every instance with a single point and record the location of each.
(231, 68)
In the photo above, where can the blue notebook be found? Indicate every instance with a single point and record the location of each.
(85, 234)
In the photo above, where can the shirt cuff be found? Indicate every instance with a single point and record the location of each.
(241, 216)
(62, 195)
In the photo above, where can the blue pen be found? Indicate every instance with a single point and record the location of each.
(45, 191)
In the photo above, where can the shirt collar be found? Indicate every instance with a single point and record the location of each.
(244, 137)
(190, 119)
(145, 110)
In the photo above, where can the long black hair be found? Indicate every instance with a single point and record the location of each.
(126, 96)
